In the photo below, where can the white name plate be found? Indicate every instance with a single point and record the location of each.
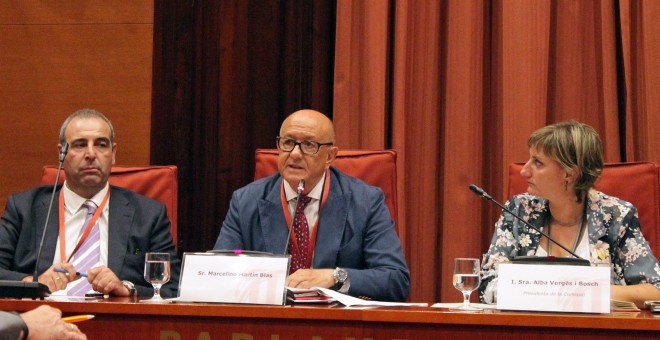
(233, 278)
(553, 288)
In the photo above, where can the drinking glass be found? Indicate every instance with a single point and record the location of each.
(466, 280)
(157, 272)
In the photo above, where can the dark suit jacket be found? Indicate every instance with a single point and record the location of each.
(355, 232)
(137, 225)
(11, 325)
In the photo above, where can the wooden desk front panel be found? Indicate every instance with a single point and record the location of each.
(120, 319)
(177, 328)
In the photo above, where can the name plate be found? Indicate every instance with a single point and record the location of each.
(553, 288)
(233, 278)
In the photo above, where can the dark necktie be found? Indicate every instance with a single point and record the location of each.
(301, 229)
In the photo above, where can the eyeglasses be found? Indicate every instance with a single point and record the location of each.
(307, 147)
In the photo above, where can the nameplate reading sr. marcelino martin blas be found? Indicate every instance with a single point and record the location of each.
(553, 288)
(233, 278)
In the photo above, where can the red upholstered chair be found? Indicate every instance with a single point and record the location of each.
(156, 182)
(375, 167)
(637, 183)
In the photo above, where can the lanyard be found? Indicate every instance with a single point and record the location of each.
(88, 228)
(579, 235)
(287, 215)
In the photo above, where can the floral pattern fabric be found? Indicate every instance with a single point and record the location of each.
(614, 236)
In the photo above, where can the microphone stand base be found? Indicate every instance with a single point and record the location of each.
(20, 289)
(551, 260)
(239, 252)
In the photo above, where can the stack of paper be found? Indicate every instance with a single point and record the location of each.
(324, 295)
(350, 301)
(623, 306)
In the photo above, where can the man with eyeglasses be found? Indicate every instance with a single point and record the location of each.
(342, 237)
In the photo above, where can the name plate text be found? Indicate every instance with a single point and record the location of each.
(553, 288)
(230, 278)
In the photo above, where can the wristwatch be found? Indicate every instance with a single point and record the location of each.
(130, 286)
(340, 275)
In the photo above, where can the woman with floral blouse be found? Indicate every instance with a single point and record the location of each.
(565, 160)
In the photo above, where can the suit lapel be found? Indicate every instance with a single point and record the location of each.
(538, 219)
(332, 223)
(52, 232)
(596, 227)
(119, 227)
(273, 229)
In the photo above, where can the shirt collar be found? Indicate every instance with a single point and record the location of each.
(315, 193)
(74, 202)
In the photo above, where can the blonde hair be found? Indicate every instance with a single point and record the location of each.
(573, 145)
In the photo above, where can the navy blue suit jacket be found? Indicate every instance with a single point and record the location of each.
(355, 232)
(136, 224)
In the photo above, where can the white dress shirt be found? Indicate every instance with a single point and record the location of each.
(74, 217)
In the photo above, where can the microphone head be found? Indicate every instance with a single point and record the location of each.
(477, 190)
(301, 186)
(64, 151)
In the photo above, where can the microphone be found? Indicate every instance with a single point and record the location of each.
(578, 261)
(63, 152)
(300, 189)
(239, 252)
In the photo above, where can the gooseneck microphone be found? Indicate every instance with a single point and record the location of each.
(299, 190)
(538, 259)
(63, 152)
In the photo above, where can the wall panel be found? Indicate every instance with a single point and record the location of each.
(226, 74)
(57, 57)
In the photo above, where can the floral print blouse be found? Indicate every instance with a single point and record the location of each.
(613, 231)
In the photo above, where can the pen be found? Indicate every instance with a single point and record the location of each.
(62, 270)
(77, 318)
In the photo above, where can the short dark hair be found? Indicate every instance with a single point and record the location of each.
(573, 145)
(86, 113)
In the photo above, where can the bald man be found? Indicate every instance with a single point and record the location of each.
(343, 236)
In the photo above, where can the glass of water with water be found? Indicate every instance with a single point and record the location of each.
(466, 280)
(157, 272)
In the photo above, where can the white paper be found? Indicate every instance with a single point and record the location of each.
(350, 301)
(72, 298)
(459, 304)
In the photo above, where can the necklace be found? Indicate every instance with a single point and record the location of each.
(579, 234)
(566, 224)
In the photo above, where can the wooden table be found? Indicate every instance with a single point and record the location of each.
(119, 318)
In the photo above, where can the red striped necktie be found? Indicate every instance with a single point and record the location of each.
(301, 230)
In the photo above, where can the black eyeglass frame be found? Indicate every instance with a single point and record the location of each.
(299, 145)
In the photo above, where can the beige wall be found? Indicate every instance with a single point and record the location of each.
(60, 56)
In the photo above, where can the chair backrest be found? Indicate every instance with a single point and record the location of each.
(156, 182)
(375, 167)
(637, 183)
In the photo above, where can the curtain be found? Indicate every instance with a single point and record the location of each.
(456, 87)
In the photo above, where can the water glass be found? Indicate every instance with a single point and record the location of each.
(157, 272)
(466, 280)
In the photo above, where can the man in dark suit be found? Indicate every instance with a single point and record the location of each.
(348, 241)
(127, 225)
